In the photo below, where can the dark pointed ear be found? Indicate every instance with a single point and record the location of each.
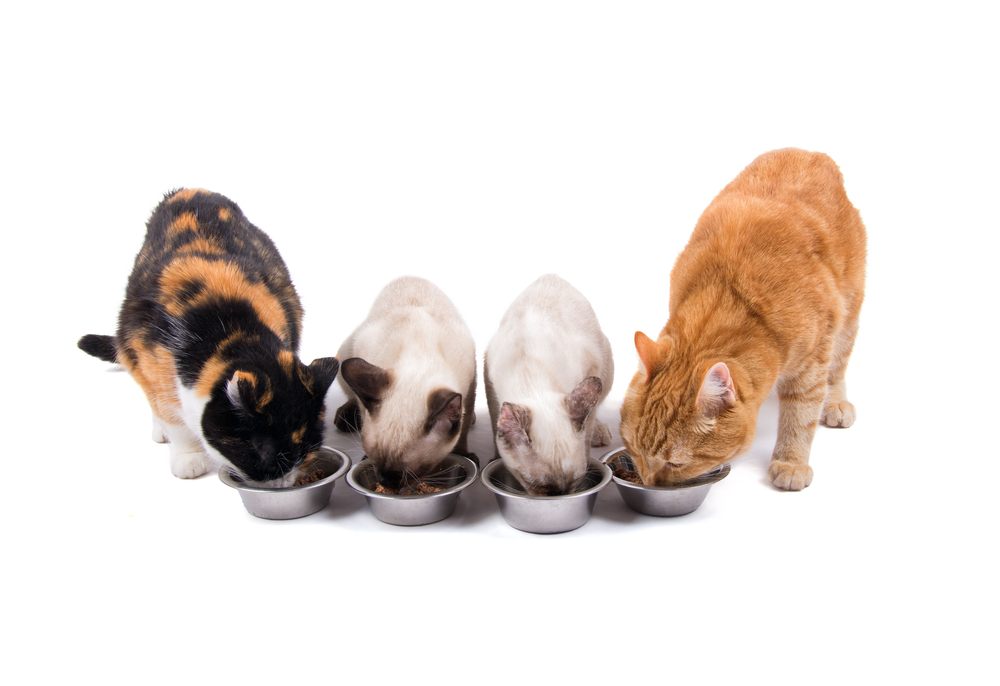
(324, 371)
(242, 390)
(650, 353)
(444, 411)
(369, 383)
(581, 401)
(717, 391)
(513, 424)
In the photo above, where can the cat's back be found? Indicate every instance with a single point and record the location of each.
(784, 223)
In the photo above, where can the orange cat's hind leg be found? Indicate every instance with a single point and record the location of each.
(837, 409)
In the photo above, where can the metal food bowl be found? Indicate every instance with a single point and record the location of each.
(662, 501)
(545, 514)
(295, 501)
(454, 474)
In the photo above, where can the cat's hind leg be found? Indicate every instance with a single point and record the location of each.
(837, 409)
(800, 403)
(159, 430)
(187, 458)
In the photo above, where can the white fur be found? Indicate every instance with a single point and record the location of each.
(415, 331)
(548, 342)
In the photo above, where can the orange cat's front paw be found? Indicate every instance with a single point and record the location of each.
(840, 414)
(790, 477)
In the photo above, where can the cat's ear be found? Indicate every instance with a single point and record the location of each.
(242, 390)
(324, 371)
(581, 401)
(368, 381)
(444, 412)
(650, 353)
(717, 391)
(513, 424)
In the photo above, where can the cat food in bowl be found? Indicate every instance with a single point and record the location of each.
(426, 502)
(659, 501)
(545, 514)
(309, 495)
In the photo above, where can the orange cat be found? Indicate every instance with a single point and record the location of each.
(765, 295)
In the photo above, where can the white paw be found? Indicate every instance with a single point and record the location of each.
(601, 435)
(840, 414)
(159, 434)
(189, 465)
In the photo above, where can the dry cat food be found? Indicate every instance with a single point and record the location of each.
(421, 488)
(627, 475)
(311, 477)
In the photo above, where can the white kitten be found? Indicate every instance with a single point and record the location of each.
(546, 370)
(405, 370)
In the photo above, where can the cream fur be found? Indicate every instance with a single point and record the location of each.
(414, 331)
(548, 342)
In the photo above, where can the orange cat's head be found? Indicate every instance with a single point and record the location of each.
(682, 417)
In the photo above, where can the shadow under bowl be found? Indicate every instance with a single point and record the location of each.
(552, 514)
(662, 501)
(454, 474)
(295, 501)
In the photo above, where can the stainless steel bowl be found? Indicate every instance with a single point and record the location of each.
(295, 501)
(551, 514)
(455, 473)
(669, 501)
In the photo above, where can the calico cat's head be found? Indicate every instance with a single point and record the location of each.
(265, 415)
(405, 431)
(546, 447)
(682, 417)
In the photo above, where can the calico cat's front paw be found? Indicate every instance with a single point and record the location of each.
(188, 465)
(838, 414)
(790, 477)
(601, 435)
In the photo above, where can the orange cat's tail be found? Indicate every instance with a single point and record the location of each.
(102, 347)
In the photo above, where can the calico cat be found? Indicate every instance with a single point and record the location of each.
(409, 372)
(209, 329)
(546, 369)
(766, 295)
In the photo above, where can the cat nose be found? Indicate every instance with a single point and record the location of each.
(390, 478)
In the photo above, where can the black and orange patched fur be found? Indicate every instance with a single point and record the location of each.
(210, 330)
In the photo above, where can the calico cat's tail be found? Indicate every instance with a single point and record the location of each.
(102, 347)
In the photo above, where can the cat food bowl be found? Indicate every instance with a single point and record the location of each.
(545, 514)
(453, 475)
(295, 501)
(657, 501)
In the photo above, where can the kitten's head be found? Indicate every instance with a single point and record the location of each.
(681, 417)
(405, 430)
(546, 448)
(267, 415)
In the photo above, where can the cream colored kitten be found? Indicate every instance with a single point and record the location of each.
(546, 370)
(409, 371)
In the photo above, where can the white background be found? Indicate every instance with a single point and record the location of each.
(481, 147)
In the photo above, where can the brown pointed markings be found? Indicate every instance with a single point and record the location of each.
(221, 280)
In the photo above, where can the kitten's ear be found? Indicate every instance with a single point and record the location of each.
(717, 391)
(324, 371)
(649, 353)
(444, 412)
(581, 401)
(368, 381)
(242, 390)
(513, 424)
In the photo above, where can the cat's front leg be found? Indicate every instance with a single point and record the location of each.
(187, 458)
(800, 402)
(159, 430)
(601, 435)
